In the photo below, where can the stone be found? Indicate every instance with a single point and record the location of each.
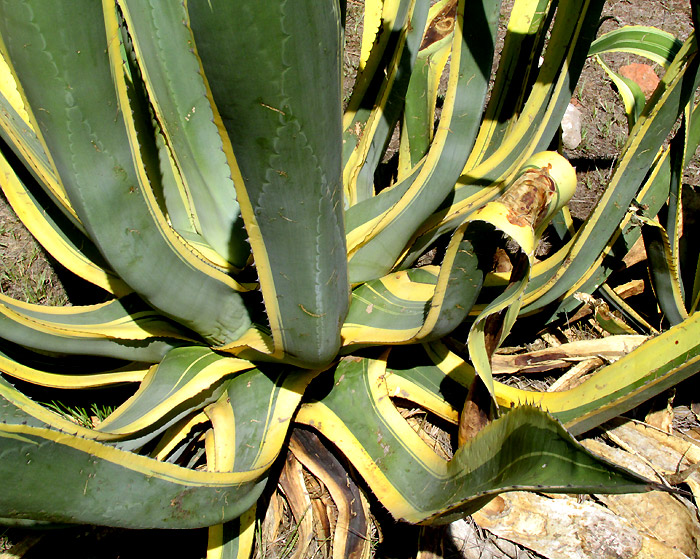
(571, 127)
(643, 75)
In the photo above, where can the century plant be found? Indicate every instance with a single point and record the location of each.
(269, 288)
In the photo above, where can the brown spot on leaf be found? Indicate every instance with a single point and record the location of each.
(441, 26)
(528, 197)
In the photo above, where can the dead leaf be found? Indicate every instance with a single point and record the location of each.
(637, 253)
(291, 482)
(662, 419)
(476, 413)
(610, 348)
(630, 289)
(474, 543)
(563, 528)
(668, 454)
(576, 375)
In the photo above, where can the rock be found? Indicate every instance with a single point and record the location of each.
(643, 75)
(571, 127)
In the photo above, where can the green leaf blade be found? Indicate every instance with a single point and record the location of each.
(288, 151)
(77, 99)
(525, 449)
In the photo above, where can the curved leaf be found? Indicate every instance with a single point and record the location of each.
(650, 42)
(89, 146)
(524, 449)
(125, 328)
(104, 485)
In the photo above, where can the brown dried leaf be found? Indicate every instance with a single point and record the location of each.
(476, 413)
(636, 254)
(564, 528)
(630, 289)
(609, 348)
(662, 419)
(273, 518)
(659, 515)
(576, 375)
(668, 454)
(291, 482)
(474, 543)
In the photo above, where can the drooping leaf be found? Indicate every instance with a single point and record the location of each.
(416, 484)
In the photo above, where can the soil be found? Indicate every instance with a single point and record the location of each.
(27, 273)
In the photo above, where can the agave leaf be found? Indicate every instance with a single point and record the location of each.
(656, 365)
(58, 235)
(382, 23)
(288, 183)
(549, 96)
(17, 408)
(546, 184)
(371, 29)
(652, 195)
(234, 539)
(688, 249)
(263, 403)
(461, 112)
(101, 484)
(548, 99)
(250, 420)
(516, 72)
(632, 95)
(416, 485)
(89, 146)
(125, 328)
(664, 272)
(417, 126)
(637, 157)
(186, 379)
(11, 97)
(256, 408)
(370, 131)
(609, 322)
(173, 441)
(431, 376)
(39, 369)
(419, 304)
(17, 127)
(650, 42)
(192, 128)
(631, 317)
(437, 378)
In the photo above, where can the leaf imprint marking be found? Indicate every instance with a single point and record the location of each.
(273, 109)
(310, 313)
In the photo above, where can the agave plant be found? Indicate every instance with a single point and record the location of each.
(268, 290)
